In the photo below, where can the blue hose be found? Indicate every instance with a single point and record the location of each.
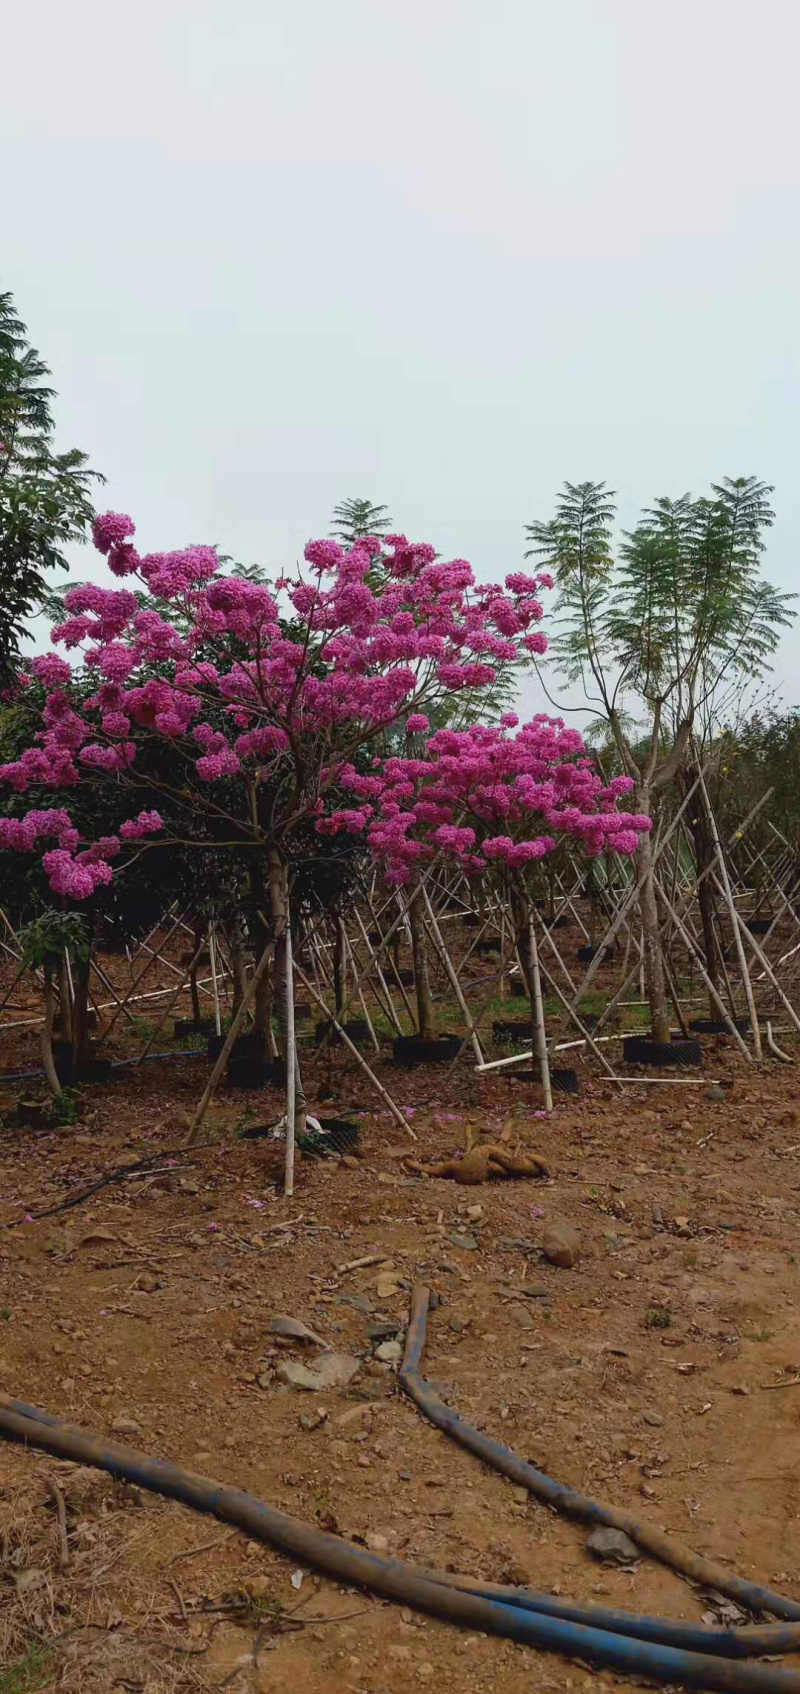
(349, 1563)
(750, 1595)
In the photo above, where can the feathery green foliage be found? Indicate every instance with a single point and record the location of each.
(353, 519)
(679, 616)
(44, 495)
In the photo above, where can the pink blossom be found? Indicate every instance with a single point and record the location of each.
(51, 671)
(147, 823)
(110, 528)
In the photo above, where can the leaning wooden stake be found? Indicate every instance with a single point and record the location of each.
(742, 957)
(222, 1061)
(453, 978)
(694, 953)
(769, 972)
(538, 1004)
(212, 954)
(394, 1109)
(171, 1004)
(291, 1060)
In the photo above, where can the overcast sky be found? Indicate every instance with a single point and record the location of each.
(444, 254)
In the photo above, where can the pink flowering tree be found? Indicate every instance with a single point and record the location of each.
(491, 799)
(226, 710)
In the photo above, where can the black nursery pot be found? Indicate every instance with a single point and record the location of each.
(335, 1135)
(715, 1026)
(491, 944)
(759, 926)
(561, 1081)
(406, 978)
(91, 1070)
(586, 954)
(412, 1050)
(356, 1028)
(518, 989)
(556, 923)
(642, 1050)
(183, 1027)
(33, 1114)
(512, 1029)
(471, 920)
(248, 1063)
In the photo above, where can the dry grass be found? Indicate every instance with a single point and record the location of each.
(64, 1629)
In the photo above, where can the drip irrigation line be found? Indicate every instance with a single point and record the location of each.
(117, 1064)
(599, 1643)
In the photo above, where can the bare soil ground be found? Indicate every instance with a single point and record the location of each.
(658, 1373)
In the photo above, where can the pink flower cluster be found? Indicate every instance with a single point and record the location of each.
(381, 632)
(485, 795)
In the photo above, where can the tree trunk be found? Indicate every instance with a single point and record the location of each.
(64, 1016)
(80, 1008)
(654, 981)
(197, 931)
(422, 980)
(279, 912)
(339, 964)
(238, 963)
(265, 996)
(522, 942)
(47, 1032)
(526, 947)
(705, 855)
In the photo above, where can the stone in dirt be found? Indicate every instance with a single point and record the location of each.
(381, 1331)
(561, 1245)
(313, 1420)
(389, 1352)
(613, 1545)
(291, 1329)
(359, 1302)
(124, 1425)
(522, 1316)
(333, 1370)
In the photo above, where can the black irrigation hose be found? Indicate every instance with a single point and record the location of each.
(749, 1595)
(116, 1064)
(346, 1562)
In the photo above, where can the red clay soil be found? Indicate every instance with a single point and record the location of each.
(661, 1372)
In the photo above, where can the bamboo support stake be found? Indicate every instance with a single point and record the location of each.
(453, 978)
(291, 1062)
(715, 995)
(393, 1108)
(538, 1003)
(212, 955)
(389, 1007)
(735, 920)
(171, 1004)
(222, 1059)
(767, 968)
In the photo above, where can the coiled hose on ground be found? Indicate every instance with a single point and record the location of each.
(649, 1647)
